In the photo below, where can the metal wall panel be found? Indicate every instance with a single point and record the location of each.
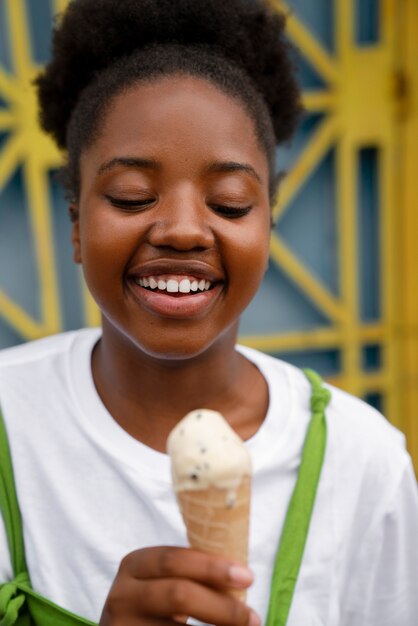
(340, 294)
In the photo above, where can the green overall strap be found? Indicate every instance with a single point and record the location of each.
(296, 526)
(9, 505)
(20, 605)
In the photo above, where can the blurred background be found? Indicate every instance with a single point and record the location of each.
(341, 294)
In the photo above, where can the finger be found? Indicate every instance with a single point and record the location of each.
(125, 605)
(170, 596)
(149, 621)
(129, 618)
(171, 562)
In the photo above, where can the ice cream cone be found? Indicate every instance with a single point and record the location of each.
(211, 470)
(218, 522)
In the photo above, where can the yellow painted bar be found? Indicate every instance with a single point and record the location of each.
(369, 382)
(318, 100)
(19, 320)
(408, 215)
(41, 214)
(8, 88)
(372, 382)
(305, 280)
(389, 278)
(19, 38)
(348, 235)
(319, 58)
(7, 120)
(365, 96)
(48, 153)
(91, 310)
(316, 338)
(9, 157)
(344, 29)
(321, 338)
(319, 144)
(386, 140)
(390, 20)
(60, 5)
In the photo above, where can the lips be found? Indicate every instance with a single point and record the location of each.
(179, 267)
(175, 289)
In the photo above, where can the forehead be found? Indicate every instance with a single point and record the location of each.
(178, 114)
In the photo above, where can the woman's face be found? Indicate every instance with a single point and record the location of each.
(174, 218)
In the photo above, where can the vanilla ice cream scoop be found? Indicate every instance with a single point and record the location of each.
(211, 470)
(206, 452)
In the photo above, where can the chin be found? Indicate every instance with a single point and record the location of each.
(172, 352)
(188, 347)
(170, 343)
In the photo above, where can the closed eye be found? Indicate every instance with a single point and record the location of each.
(230, 211)
(130, 203)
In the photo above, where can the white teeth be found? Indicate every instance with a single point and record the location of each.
(184, 286)
(172, 286)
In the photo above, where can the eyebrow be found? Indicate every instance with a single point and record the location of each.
(232, 166)
(151, 164)
(134, 162)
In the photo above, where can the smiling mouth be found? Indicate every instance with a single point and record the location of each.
(176, 295)
(174, 285)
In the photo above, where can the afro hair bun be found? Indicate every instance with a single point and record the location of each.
(93, 34)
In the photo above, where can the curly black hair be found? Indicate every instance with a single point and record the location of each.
(101, 47)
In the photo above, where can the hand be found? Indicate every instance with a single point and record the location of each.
(165, 585)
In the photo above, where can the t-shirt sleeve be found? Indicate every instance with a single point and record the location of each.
(5, 563)
(383, 589)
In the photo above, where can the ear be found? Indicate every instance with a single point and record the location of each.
(75, 233)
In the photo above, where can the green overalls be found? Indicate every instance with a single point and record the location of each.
(20, 605)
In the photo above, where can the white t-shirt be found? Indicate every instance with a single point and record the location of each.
(89, 493)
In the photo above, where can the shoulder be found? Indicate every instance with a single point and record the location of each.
(27, 369)
(351, 416)
(359, 437)
(367, 470)
(39, 351)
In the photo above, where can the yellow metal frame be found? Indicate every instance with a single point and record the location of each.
(364, 105)
(406, 328)
(28, 147)
(358, 105)
(371, 98)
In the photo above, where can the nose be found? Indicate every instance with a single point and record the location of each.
(182, 223)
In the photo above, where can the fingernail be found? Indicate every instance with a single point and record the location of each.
(240, 575)
(254, 619)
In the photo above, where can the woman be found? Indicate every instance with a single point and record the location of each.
(170, 113)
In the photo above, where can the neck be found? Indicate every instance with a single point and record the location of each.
(147, 396)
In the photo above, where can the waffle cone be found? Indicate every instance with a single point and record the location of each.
(214, 526)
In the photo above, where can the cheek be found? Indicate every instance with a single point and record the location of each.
(248, 260)
(104, 248)
(104, 238)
